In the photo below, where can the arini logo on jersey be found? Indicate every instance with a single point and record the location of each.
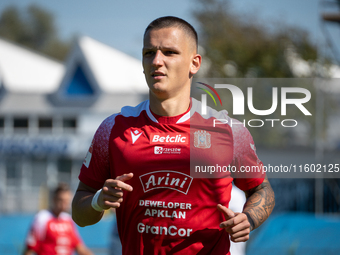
(166, 179)
(169, 138)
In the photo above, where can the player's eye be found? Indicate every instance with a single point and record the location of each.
(170, 52)
(148, 53)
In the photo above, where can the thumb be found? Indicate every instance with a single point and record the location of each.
(228, 214)
(124, 177)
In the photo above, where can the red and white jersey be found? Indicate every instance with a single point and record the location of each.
(169, 211)
(51, 235)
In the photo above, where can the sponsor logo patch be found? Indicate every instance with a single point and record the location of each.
(88, 157)
(252, 146)
(165, 150)
(166, 179)
(169, 138)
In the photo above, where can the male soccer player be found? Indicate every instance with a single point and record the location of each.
(53, 232)
(139, 161)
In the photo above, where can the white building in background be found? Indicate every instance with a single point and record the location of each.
(49, 112)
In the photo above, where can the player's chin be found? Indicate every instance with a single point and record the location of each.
(158, 89)
(157, 86)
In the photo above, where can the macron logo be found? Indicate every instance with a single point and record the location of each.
(135, 135)
(169, 138)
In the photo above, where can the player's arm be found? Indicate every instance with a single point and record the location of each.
(260, 204)
(32, 241)
(82, 212)
(29, 252)
(81, 249)
(110, 196)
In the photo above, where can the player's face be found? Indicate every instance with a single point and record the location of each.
(169, 61)
(62, 202)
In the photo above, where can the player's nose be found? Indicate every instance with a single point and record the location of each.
(158, 58)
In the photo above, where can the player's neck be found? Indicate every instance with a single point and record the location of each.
(55, 212)
(170, 106)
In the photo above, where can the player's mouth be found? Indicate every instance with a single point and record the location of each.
(157, 75)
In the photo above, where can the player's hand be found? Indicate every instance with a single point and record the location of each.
(112, 192)
(236, 224)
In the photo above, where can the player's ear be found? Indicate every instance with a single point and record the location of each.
(195, 64)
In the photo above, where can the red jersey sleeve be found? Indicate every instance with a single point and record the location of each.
(37, 232)
(32, 241)
(96, 167)
(249, 167)
(76, 239)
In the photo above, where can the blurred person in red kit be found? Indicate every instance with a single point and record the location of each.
(53, 231)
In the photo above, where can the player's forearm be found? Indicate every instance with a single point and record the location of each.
(260, 204)
(83, 250)
(29, 252)
(82, 212)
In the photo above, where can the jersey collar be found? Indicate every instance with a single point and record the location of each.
(168, 120)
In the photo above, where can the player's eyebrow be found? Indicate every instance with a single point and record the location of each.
(148, 48)
(171, 48)
(177, 49)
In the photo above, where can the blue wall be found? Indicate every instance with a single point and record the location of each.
(295, 234)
